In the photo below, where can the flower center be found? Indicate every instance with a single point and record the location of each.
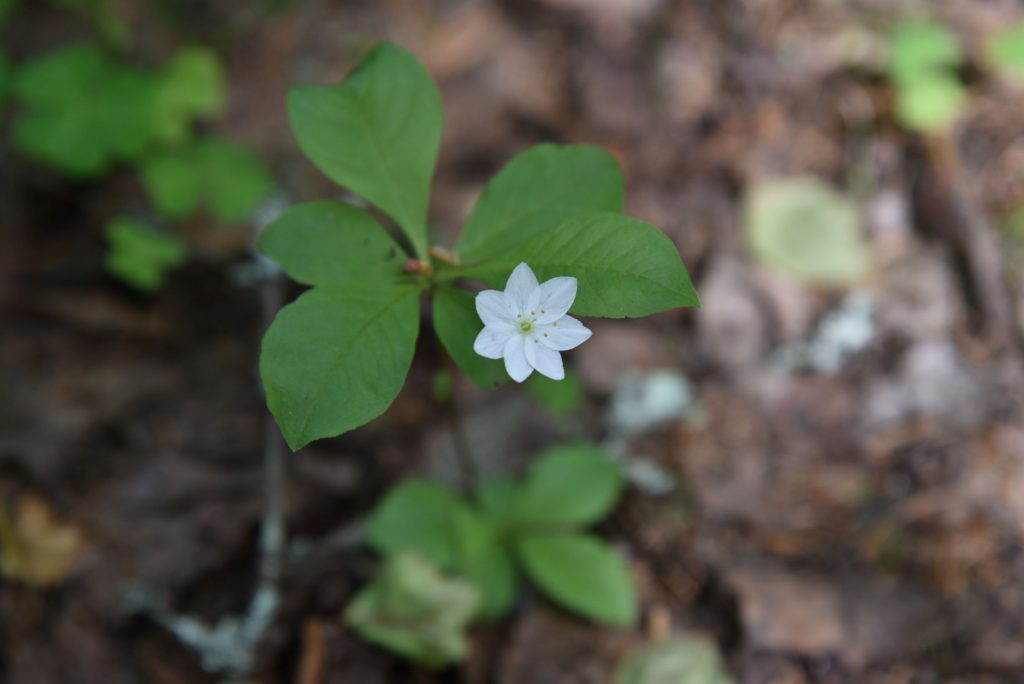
(526, 325)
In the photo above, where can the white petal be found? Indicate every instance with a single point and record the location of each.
(515, 358)
(564, 334)
(546, 361)
(520, 286)
(492, 307)
(490, 343)
(556, 296)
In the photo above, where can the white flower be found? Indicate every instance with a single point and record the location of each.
(527, 324)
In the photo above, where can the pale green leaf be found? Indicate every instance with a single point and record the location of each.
(805, 228)
(930, 104)
(457, 325)
(498, 501)
(412, 609)
(919, 47)
(1006, 50)
(679, 660)
(330, 243)
(481, 558)
(624, 267)
(140, 257)
(582, 574)
(337, 357)
(192, 86)
(569, 485)
(377, 133)
(539, 189)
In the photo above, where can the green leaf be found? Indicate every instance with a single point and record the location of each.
(236, 179)
(499, 500)
(376, 133)
(457, 325)
(570, 485)
(920, 47)
(82, 113)
(412, 609)
(228, 177)
(330, 243)
(540, 189)
(192, 86)
(140, 257)
(679, 660)
(625, 267)
(5, 8)
(337, 357)
(174, 182)
(1006, 50)
(804, 227)
(560, 397)
(580, 573)
(5, 77)
(481, 558)
(418, 516)
(930, 104)
(431, 520)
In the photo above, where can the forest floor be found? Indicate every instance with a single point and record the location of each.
(859, 522)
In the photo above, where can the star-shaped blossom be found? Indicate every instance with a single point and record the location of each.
(527, 324)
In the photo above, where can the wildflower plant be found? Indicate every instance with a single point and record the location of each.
(337, 357)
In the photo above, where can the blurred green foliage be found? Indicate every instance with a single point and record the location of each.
(227, 178)
(139, 256)
(412, 609)
(535, 524)
(560, 397)
(5, 8)
(192, 87)
(805, 228)
(1006, 50)
(923, 60)
(5, 77)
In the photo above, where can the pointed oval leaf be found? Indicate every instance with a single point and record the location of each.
(570, 485)
(457, 325)
(377, 133)
(581, 573)
(418, 516)
(330, 243)
(539, 189)
(624, 267)
(337, 357)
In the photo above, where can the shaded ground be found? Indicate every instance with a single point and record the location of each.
(859, 526)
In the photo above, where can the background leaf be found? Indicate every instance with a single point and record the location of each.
(412, 609)
(418, 516)
(560, 397)
(1006, 50)
(377, 133)
(679, 660)
(625, 267)
(457, 325)
(174, 182)
(805, 228)
(337, 357)
(192, 86)
(917, 47)
(570, 485)
(429, 519)
(140, 257)
(539, 189)
(330, 243)
(582, 574)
